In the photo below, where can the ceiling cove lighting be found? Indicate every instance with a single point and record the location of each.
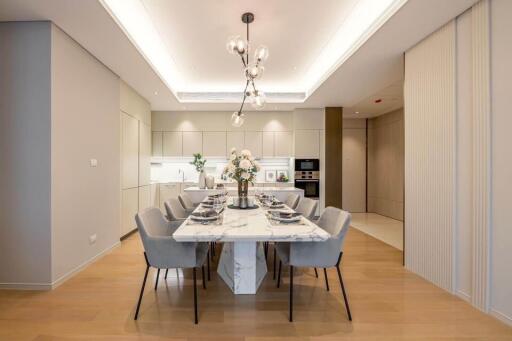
(252, 70)
(366, 17)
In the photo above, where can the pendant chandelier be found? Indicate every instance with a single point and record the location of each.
(252, 70)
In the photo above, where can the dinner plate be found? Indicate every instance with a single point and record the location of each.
(204, 215)
(288, 217)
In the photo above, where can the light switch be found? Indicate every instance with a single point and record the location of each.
(94, 162)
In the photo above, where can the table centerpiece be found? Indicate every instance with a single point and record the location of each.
(243, 169)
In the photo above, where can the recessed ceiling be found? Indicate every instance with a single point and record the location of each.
(373, 66)
(185, 41)
(386, 100)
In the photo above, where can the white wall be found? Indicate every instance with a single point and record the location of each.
(354, 165)
(25, 237)
(501, 233)
(85, 125)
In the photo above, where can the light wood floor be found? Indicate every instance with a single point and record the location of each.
(387, 302)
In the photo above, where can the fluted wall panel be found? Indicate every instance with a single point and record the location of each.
(429, 118)
(481, 153)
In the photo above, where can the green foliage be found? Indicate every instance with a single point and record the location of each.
(198, 162)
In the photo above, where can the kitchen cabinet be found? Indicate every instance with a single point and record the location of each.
(214, 144)
(167, 191)
(156, 143)
(144, 154)
(254, 143)
(129, 208)
(234, 139)
(268, 144)
(144, 197)
(172, 143)
(154, 193)
(283, 144)
(284, 184)
(130, 151)
(192, 143)
(307, 144)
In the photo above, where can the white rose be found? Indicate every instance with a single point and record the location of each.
(246, 153)
(233, 150)
(245, 164)
(232, 157)
(245, 175)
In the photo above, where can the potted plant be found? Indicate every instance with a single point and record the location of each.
(243, 169)
(199, 164)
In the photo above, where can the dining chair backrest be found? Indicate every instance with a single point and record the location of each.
(174, 210)
(336, 222)
(307, 207)
(292, 200)
(162, 251)
(186, 202)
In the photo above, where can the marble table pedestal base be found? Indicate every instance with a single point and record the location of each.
(242, 266)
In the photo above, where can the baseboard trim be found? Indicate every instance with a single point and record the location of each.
(502, 317)
(128, 234)
(62, 279)
(82, 266)
(465, 296)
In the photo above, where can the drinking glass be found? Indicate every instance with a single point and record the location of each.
(217, 207)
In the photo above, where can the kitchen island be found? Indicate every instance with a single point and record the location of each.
(197, 194)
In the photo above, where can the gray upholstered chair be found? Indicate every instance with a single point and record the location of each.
(174, 210)
(187, 203)
(318, 254)
(161, 251)
(292, 200)
(307, 207)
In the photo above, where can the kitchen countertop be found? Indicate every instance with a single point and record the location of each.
(271, 189)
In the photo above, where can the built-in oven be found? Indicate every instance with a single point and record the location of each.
(307, 177)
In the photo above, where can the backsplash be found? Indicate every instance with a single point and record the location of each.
(180, 170)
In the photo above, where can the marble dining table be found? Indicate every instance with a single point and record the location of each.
(242, 263)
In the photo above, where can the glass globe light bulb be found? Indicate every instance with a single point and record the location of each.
(258, 100)
(254, 71)
(237, 119)
(241, 45)
(261, 54)
(231, 44)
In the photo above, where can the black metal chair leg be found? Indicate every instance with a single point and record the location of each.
(195, 296)
(142, 289)
(316, 273)
(208, 264)
(274, 262)
(343, 289)
(166, 271)
(326, 280)
(157, 276)
(279, 275)
(291, 293)
(203, 277)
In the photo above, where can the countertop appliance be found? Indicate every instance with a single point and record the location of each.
(307, 177)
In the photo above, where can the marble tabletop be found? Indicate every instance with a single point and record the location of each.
(249, 225)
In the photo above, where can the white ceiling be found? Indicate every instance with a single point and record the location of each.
(195, 33)
(386, 100)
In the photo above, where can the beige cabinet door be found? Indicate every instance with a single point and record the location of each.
(172, 143)
(283, 143)
(192, 143)
(268, 144)
(156, 143)
(154, 193)
(254, 143)
(129, 208)
(234, 139)
(167, 191)
(214, 143)
(144, 154)
(307, 144)
(130, 151)
(144, 197)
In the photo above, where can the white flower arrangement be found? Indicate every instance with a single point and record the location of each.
(241, 167)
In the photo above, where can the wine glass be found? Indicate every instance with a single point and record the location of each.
(218, 206)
